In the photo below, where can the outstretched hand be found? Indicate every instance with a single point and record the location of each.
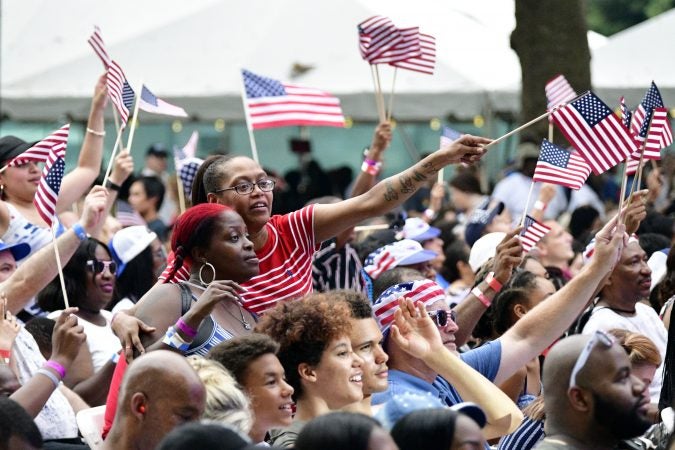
(609, 243)
(414, 331)
(467, 149)
(509, 255)
(100, 99)
(381, 137)
(94, 210)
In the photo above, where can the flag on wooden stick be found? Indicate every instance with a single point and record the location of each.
(50, 184)
(558, 166)
(532, 233)
(41, 150)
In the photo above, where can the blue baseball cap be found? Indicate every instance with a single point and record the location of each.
(19, 250)
(480, 218)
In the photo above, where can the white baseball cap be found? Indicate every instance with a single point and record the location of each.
(127, 243)
(484, 249)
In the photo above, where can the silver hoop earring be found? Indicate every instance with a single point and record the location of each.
(210, 266)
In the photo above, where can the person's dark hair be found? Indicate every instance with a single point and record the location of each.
(375, 240)
(668, 387)
(652, 242)
(193, 229)
(203, 436)
(238, 353)
(581, 221)
(394, 276)
(337, 431)
(209, 177)
(657, 223)
(466, 182)
(359, 306)
(15, 421)
(303, 330)
(154, 188)
(430, 429)
(75, 275)
(454, 253)
(666, 288)
(42, 328)
(136, 279)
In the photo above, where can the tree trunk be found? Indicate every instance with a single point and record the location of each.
(550, 39)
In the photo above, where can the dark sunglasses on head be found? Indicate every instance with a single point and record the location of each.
(97, 266)
(440, 316)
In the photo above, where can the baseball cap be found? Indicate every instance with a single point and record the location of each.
(400, 253)
(402, 404)
(157, 149)
(425, 291)
(19, 250)
(12, 146)
(480, 218)
(528, 150)
(484, 249)
(418, 230)
(472, 410)
(657, 263)
(127, 243)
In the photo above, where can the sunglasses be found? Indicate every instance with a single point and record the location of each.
(440, 317)
(97, 266)
(599, 337)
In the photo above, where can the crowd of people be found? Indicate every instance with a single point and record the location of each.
(397, 313)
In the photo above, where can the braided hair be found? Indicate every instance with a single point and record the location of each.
(193, 228)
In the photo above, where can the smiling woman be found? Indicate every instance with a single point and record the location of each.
(90, 281)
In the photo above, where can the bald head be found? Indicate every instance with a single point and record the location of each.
(160, 391)
(606, 403)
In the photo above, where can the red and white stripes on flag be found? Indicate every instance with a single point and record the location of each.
(115, 83)
(558, 166)
(531, 233)
(426, 292)
(96, 42)
(409, 47)
(558, 90)
(40, 151)
(377, 35)
(271, 103)
(426, 62)
(50, 183)
(659, 135)
(595, 131)
(632, 165)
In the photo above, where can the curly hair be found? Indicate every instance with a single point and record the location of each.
(238, 353)
(304, 329)
(75, 275)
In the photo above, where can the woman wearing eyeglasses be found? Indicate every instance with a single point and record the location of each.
(90, 281)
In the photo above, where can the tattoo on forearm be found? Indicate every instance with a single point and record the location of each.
(390, 193)
(407, 185)
(418, 176)
(429, 168)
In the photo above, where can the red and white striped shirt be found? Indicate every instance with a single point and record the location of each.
(285, 262)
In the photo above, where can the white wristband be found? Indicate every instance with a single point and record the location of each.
(541, 206)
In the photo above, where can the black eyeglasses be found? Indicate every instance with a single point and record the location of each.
(97, 266)
(440, 316)
(265, 185)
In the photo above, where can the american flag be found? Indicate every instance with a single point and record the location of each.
(595, 132)
(127, 215)
(379, 261)
(639, 124)
(558, 166)
(186, 163)
(448, 136)
(625, 113)
(40, 151)
(128, 95)
(115, 82)
(426, 62)
(96, 42)
(409, 47)
(558, 90)
(632, 165)
(271, 103)
(424, 291)
(659, 135)
(531, 233)
(149, 102)
(377, 35)
(50, 183)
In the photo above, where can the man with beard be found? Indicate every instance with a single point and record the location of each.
(591, 398)
(619, 305)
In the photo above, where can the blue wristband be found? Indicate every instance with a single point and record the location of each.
(79, 231)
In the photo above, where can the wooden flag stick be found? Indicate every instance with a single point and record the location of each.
(112, 155)
(391, 96)
(527, 203)
(550, 132)
(134, 124)
(58, 263)
(247, 116)
(381, 226)
(638, 175)
(181, 194)
(379, 101)
(117, 121)
(624, 181)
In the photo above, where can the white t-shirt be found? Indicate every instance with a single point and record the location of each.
(101, 340)
(645, 322)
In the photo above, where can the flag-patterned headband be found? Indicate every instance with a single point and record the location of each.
(425, 291)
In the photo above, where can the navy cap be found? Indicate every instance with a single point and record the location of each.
(479, 219)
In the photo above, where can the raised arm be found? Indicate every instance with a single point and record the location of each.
(417, 334)
(366, 179)
(330, 219)
(547, 321)
(40, 268)
(80, 179)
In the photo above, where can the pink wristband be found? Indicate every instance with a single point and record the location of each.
(481, 297)
(58, 368)
(185, 328)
